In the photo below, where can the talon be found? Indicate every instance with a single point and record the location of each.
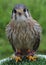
(32, 58)
(17, 58)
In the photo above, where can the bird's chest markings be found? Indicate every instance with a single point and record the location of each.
(23, 31)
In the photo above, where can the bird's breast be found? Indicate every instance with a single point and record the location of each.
(23, 35)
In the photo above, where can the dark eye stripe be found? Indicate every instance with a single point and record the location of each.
(15, 11)
(24, 10)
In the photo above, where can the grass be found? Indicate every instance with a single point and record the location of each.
(38, 12)
(5, 48)
(25, 62)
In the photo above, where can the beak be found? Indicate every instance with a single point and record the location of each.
(20, 10)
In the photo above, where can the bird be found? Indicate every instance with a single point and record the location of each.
(23, 33)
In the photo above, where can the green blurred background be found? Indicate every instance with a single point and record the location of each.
(38, 12)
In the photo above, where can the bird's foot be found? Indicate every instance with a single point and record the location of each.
(16, 58)
(32, 58)
(30, 55)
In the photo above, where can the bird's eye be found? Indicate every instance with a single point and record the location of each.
(24, 10)
(15, 11)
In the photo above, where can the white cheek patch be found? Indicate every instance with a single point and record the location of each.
(20, 18)
(27, 14)
(13, 16)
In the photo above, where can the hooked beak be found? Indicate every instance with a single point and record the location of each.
(20, 11)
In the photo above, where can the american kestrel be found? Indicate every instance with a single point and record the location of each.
(23, 33)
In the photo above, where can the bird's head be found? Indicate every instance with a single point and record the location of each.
(20, 12)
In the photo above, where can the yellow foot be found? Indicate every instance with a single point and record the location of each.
(17, 58)
(32, 58)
